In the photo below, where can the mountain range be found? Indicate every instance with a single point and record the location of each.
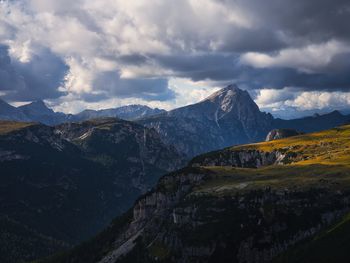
(64, 177)
(284, 201)
(37, 111)
(227, 117)
(61, 185)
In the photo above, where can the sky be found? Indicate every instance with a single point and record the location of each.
(293, 56)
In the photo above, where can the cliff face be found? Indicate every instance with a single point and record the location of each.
(153, 208)
(182, 225)
(244, 158)
(244, 204)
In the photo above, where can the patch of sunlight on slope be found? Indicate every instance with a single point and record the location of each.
(323, 162)
(331, 147)
(9, 126)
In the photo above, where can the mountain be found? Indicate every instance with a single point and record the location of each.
(135, 154)
(8, 112)
(264, 202)
(314, 123)
(227, 117)
(37, 111)
(129, 112)
(36, 108)
(61, 185)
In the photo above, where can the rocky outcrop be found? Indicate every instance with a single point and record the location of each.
(244, 158)
(152, 207)
(281, 133)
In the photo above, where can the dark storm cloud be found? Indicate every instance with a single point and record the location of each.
(37, 79)
(9, 78)
(279, 25)
(154, 41)
(148, 89)
(247, 40)
(199, 67)
(312, 20)
(279, 78)
(135, 59)
(228, 68)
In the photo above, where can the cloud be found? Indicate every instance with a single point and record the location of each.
(186, 92)
(290, 103)
(38, 78)
(116, 50)
(310, 59)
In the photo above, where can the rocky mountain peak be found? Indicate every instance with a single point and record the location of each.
(229, 91)
(36, 107)
(232, 97)
(9, 112)
(5, 106)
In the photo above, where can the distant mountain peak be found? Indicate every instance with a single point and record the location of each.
(36, 107)
(9, 112)
(336, 113)
(38, 104)
(232, 97)
(4, 104)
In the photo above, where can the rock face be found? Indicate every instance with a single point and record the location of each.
(227, 117)
(63, 184)
(172, 224)
(280, 134)
(243, 158)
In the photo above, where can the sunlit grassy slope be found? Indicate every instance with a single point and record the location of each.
(331, 147)
(9, 126)
(322, 160)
